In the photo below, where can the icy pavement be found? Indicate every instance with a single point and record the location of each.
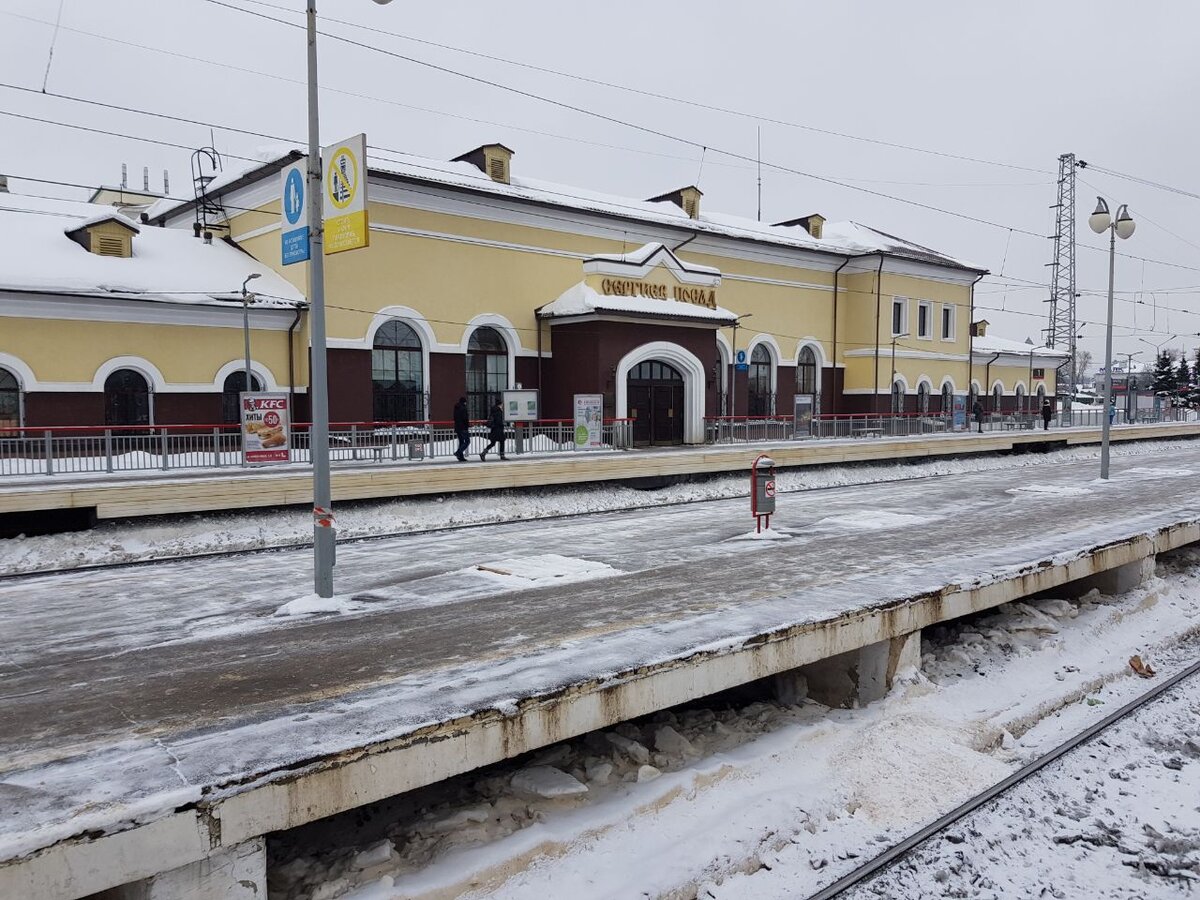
(117, 542)
(127, 692)
(760, 800)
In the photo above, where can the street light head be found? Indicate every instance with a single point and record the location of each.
(1125, 223)
(1099, 220)
(383, 2)
(255, 275)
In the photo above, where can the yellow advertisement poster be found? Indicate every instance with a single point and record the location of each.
(345, 195)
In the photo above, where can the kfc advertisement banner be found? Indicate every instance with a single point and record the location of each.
(266, 422)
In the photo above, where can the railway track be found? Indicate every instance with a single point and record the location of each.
(864, 873)
(388, 535)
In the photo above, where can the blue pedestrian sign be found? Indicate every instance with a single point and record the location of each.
(294, 220)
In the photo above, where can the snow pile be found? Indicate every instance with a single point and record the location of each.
(314, 605)
(117, 542)
(535, 571)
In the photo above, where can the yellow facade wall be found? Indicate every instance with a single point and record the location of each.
(72, 351)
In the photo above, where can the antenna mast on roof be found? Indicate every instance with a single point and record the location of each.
(210, 214)
(1062, 332)
(760, 173)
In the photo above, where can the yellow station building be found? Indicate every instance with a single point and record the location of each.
(476, 280)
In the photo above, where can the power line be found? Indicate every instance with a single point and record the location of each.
(656, 95)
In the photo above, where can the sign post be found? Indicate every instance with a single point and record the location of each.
(762, 490)
(345, 197)
(589, 421)
(266, 428)
(520, 406)
(802, 416)
(293, 207)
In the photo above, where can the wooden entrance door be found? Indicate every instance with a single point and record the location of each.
(655, 396)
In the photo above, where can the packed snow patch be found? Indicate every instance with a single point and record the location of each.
(1059, 490)
(767, 534)
(872, 520)
(546, 568)
(314, 605)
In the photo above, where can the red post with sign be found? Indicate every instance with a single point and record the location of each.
(762, 490)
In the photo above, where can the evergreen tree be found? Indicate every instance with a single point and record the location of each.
(1164, 372)
(1183, 375)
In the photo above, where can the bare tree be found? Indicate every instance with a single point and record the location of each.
(1082, 362)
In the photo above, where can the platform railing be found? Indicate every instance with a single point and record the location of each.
(165, 448)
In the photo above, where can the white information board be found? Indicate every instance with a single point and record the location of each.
(521, 406)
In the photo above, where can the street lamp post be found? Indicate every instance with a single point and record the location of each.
(246, 325)
(1122, 226)
(324, 537)
(733, 364)
(892, 384)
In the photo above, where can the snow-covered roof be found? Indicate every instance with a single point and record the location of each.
(581, 300)
(109, 215)
(992, 344)
(842, 238)
(168, 265)
(646, 252)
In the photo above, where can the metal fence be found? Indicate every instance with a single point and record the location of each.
(52, 451)
(751, 429)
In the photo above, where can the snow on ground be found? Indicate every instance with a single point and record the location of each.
(114, 542)
(733, 799)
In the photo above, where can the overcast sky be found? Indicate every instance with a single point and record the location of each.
(1015, 82)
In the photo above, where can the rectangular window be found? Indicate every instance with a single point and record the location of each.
(947, 321)
(925, 319)
(899, 316)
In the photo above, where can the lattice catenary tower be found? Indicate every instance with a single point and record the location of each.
(1062, 332)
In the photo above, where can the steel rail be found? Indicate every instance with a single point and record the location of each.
(873, 867)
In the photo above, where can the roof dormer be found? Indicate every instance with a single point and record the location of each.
(687, 199)
(108, 234)
(814, 224)
(979, 329)
(493, 160)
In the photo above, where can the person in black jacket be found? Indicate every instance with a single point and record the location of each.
(495, 431)
(977, 411)
(1047, 414)
(462, 429)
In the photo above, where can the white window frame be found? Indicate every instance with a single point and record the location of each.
(902, 302)
(953, 311)
(925, 305)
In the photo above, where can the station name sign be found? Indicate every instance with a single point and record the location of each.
(627, 287)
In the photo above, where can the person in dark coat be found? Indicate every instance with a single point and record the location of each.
(977, 412)
(462, 429)
(1047, 414)
(495, 431)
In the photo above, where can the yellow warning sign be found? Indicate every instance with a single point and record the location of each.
(345, 195)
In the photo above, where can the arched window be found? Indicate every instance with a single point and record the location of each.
(947, 399)
(235, 383)
(397, 378)
(487, 370)
(806, 372)
(972, 399)
(1041, 395)
(10, 400)
(762, 399)
(997, 397)
(898, 396)
(126, 398)
(923, 398)
(1020, 399)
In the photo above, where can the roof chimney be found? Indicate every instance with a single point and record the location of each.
(493, 160)
(814, 224)
(687, 199)
(124, 175)
(146, 179)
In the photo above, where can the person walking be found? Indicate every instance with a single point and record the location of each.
(462, 429)
(495, 431)
(1112, 411)
(1047, 414)
(977, 412)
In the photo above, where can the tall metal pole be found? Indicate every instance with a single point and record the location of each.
(1104, 426)
(246, 333)
(318, 438)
